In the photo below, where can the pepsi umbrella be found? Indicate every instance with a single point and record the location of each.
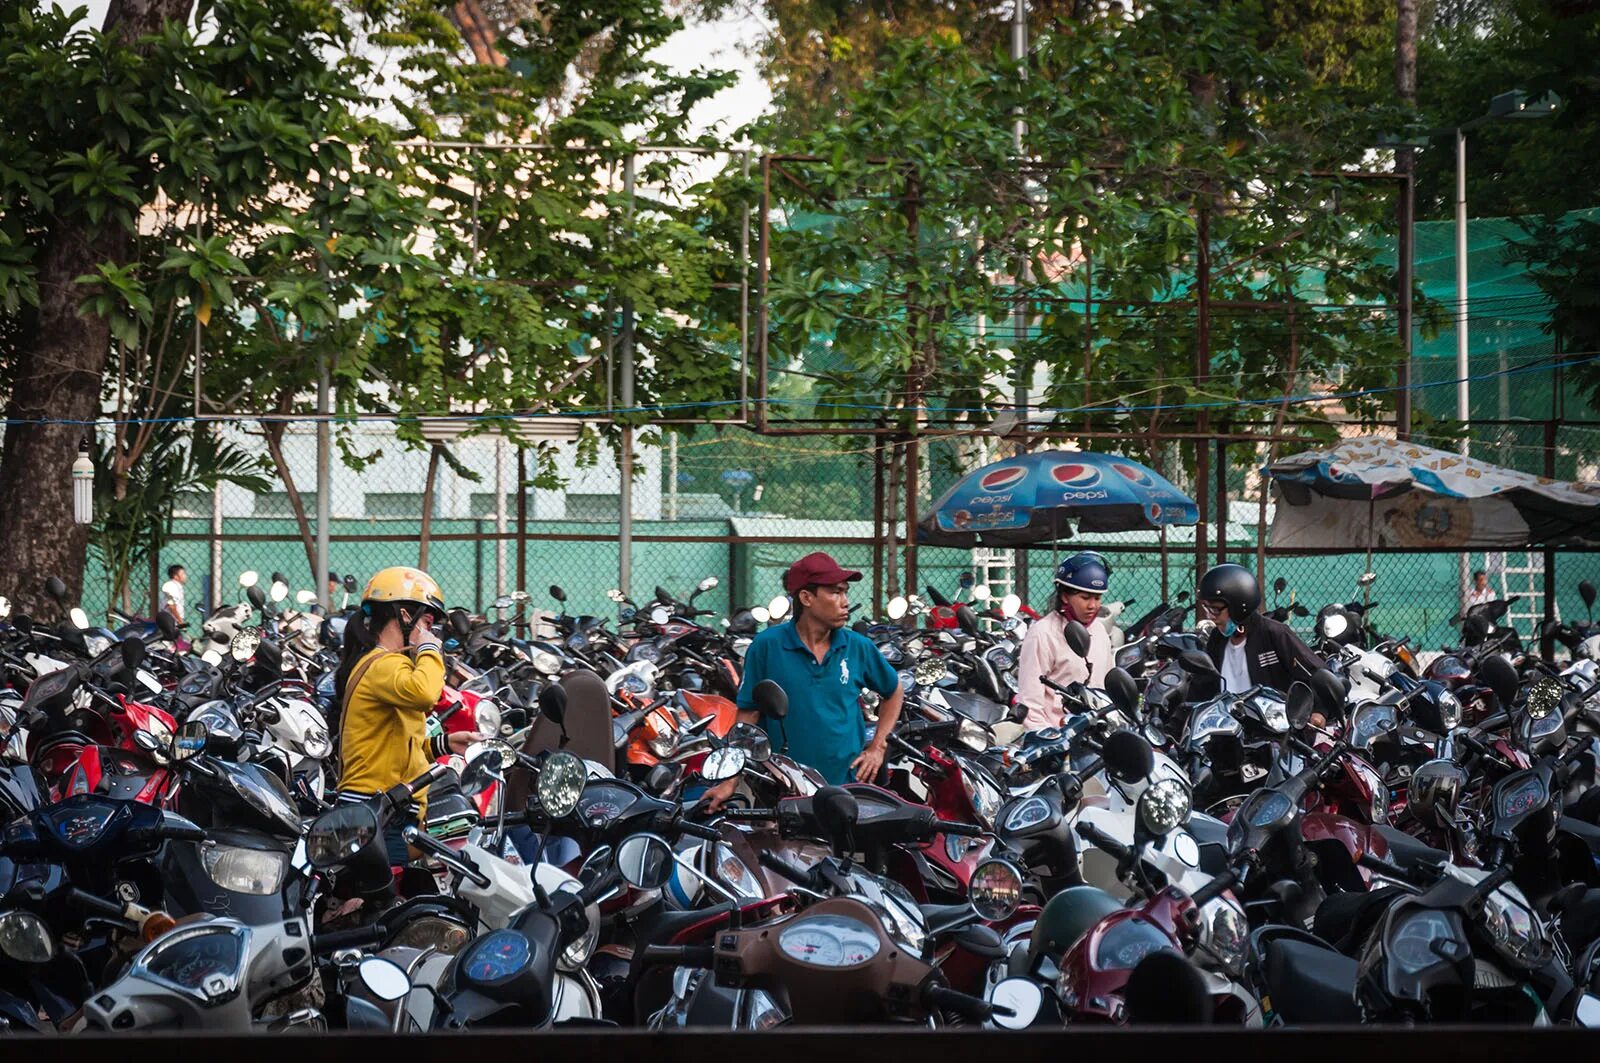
(1032, 497)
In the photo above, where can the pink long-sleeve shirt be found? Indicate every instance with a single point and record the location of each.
(1045, 652)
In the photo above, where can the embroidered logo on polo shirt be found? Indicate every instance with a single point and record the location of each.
(844, 673)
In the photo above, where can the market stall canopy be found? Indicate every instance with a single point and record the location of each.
(1376, 493)
(1035, 498)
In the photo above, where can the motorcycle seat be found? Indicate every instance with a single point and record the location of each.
(1310, 985)
(1407, 851)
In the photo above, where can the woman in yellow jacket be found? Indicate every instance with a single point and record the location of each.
(389, 678)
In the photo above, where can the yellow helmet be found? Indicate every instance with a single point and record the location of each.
(405, 585)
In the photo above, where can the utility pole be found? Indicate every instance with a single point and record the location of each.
(1019, 128)
(625, 500)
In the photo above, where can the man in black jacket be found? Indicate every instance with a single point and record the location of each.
(1248, 648)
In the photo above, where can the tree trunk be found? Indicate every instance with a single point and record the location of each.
(273, 430)
(58, 377)
(427, 505)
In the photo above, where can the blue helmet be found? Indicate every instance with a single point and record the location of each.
(1086, 571)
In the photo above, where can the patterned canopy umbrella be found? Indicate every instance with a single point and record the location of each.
(1035, 498)
(1419, 497)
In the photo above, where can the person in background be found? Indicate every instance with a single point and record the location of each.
(1249, 648)
(1081, 581)
(823, 666)
(172, 598)
(334, 590)
(388, 680)
(1480, 593)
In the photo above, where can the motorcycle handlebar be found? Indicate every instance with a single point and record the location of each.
(1103, 841)
(698, 830)
(421, 839)
(1213, 889)
(702, 956)
(798, 875)
(963, 1004)
(960, 830)
(359, 938)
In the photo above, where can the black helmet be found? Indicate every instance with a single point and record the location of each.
(1235, 586)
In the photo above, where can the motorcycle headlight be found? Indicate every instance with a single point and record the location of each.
(316, 744)
(1163, 806)
(253, 871)
(983, 794)
(1128, 657)
(1226, 930)
(664, 745)
(25, 938)
(486, 714)
(1275, 715)
(736, 875)
(1449, 710)
(561, 784)
(546, 662)
(1516, 931)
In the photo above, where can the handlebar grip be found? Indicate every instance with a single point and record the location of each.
(1213, 889)
(680, 955)
(179, 829)
(602, 885)
(1372, 862)
(1102, 841)
(1053, 685)
(964, 1004)
(960, 830)
(98, 905)
(798, 875)
(359, 938)
(698, 830)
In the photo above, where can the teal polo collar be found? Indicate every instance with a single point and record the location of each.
(792, 641)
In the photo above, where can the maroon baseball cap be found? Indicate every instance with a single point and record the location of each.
(816, 569)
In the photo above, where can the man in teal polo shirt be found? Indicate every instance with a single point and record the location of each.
(822, 666)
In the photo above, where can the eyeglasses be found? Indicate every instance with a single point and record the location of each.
(1212, 607)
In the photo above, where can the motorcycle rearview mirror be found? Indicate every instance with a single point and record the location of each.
(280, 590)
(167, 624)
(1474, 629)
(349, 584)
(1128, 756)
(557, 593)
(1197, 662)
(778, 607)
(1329, 690)
(1279, 585)
(770, 699)
(707, 584)
(147, 742)
(896, 609)
(1183, 598)
(190, 740)
(723, 764)
(460, 626)
(1010, 606)
(257, 596)
(132, 653)
(1587, 593)
(761, 615)
(662, 594)
(1499, 676)
(486, 763)
(837, 811)
(645, 861)
(305, 597)
(80, 619)
(1077, 638)
(1298, 704)
(661, 778)
(384, 978)
(1366, 579)
(980, 593)
(56, 588)
(1016, 1002)
(616, 596)
(1122, 689)
(269, 656)
(504, 602)
(249, 578)
(967, 619)
(553, 703)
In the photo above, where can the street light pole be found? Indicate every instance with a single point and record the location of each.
(1463, 367)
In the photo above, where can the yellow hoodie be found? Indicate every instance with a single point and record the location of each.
(383, 734)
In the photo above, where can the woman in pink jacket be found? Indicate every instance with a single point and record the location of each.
(1081, 582)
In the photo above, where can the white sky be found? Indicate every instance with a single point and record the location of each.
(720, 45)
